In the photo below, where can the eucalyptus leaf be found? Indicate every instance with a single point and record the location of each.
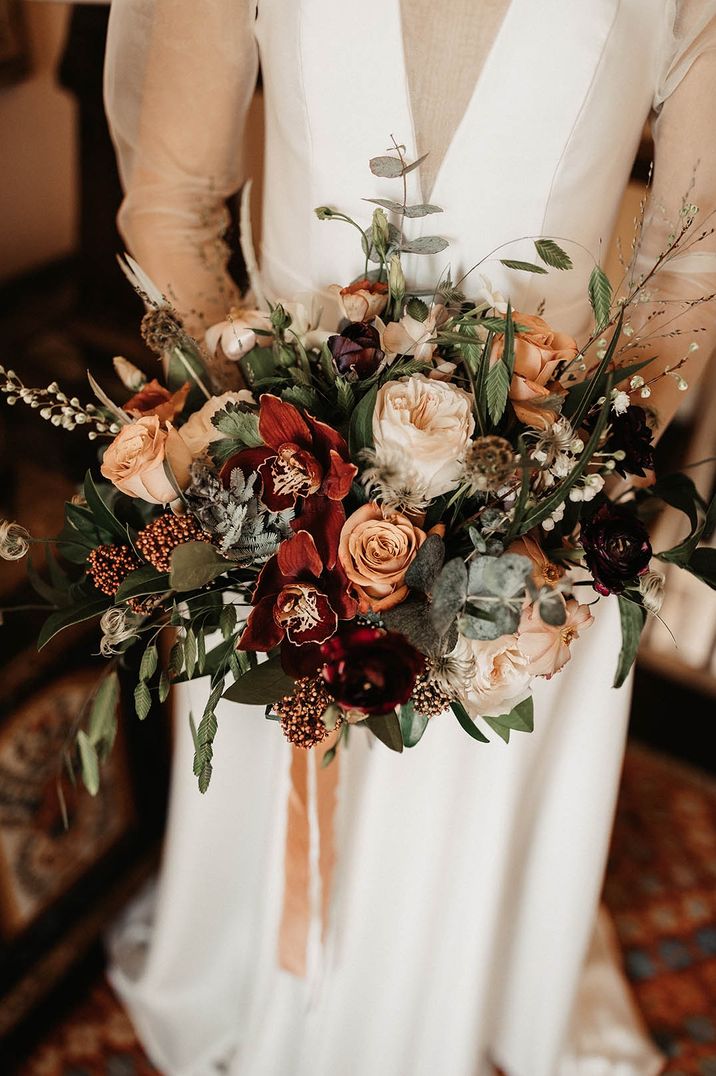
(413, 620)
(194, 564)
(506, 576)
(428, 561)
(551, 609)
(266, 682)
(392, 167)
(632, 617)
(449, 593)
(424, 244)
(422, 210)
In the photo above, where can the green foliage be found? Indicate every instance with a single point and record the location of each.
(632, 617)
(89, 762)
(466, 721)
(265, 683)
(578, 404)
(238, 425)
(422, 210)
(386, 728)
(77, 613)
(416, 308)
(552, 254)
(143, 581)
(194, 564)
(600, 296)
(102, 514)
(345, 396)
(497, 386)
(412, 724)
(360, 431)
(142, 700)
(392, 167)
(424, 244)
(424, 569)
(449, 593)
(523, 267)
(519, 719)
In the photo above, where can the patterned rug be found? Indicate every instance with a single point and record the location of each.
(661, 890)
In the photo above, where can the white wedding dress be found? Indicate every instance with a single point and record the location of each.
(462, 924)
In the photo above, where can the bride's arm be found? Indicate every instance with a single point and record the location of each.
(684, 168)
(179, 77)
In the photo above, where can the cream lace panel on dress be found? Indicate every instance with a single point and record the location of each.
(445, 50)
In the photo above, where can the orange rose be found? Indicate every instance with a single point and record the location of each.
(538, 352)
(375, 552)
(363, 300)
(135, 460)
(154, 399)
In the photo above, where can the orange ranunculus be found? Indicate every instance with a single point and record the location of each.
(538, 352)
(154, 399)
(376, 551)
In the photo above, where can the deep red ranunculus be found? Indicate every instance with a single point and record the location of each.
(356, 350)
(616, 547)
(305, 459)
(297, 603)
(370, 669)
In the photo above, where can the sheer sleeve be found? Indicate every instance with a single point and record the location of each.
(669, 324)
(179, 77)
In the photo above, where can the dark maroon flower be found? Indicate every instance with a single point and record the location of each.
(616, 547)
(356, 350)
(297, 604)
(370, 669)
(630, 433)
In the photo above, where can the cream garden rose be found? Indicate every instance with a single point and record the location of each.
(134, 461)
(428, 422)
(198, 431)
(502, 676)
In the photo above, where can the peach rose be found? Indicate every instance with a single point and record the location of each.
(538, 352)
(375, 552)
(134, 461)
(198, 431)
(546, 647)
(363, 300)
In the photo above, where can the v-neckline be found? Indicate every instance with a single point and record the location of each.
(456, 135)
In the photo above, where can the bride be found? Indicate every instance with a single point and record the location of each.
(461, 936)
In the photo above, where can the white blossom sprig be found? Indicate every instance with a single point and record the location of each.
(56, 407)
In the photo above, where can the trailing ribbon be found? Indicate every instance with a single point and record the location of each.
(296, 912)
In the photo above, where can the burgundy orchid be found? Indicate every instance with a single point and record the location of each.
(297, 603)
(301, 458)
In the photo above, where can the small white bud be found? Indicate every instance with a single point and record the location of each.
(645, 392)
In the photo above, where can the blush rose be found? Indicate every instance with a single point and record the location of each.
(135, 460)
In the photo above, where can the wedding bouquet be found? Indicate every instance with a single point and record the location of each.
(374, 525)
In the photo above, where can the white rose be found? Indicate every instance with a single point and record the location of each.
(198, 431)
(501, 677)
(410, 336)
(430, 423)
